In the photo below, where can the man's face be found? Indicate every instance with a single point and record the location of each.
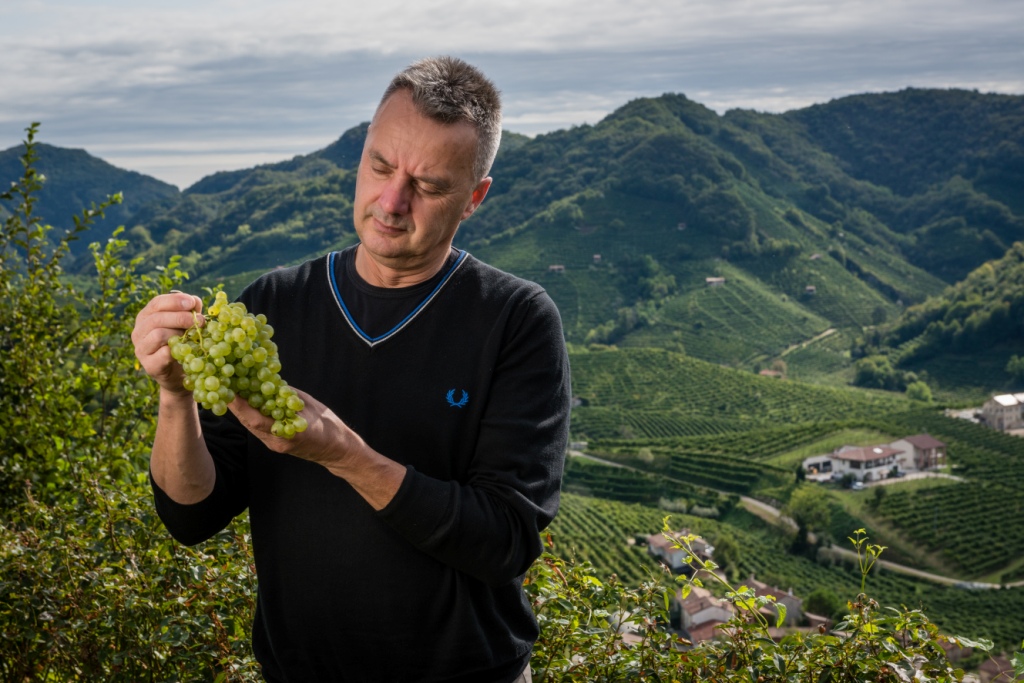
(414, 185)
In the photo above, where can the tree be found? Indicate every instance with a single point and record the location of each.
(919, 391)
(809, 508)
(824, 602)
(1015, 367)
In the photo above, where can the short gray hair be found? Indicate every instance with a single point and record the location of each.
(449, 90)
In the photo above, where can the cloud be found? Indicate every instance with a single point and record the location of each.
(148, 81)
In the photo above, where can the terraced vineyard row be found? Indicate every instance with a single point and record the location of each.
(599, 530)
(657, 380)
(628, 486)
(725, 473)
(754, 443)
(614, 423)
(736, 320)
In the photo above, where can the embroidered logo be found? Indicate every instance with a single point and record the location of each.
(461, 402)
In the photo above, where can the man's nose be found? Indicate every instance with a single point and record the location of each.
(396, 195)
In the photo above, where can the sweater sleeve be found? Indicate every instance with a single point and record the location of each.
(489, 525)
(194, 523)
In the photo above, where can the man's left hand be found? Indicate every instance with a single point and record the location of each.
(329, 442)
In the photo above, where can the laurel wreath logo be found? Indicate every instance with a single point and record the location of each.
(461, 402)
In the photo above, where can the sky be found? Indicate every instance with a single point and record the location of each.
(184, 89)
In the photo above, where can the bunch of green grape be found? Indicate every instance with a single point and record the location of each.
(232, 355)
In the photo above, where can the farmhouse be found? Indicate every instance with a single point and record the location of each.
(700, 613)
(920, 452)
(794, 605)
(1004, 412)
(556, 268)
(871, 463)
(865, 463)
(663, 549)
(714, 281)
(868, 463)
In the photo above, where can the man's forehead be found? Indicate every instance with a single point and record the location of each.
(401, 103)
(400, 133)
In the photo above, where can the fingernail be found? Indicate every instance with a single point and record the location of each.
(187, 304)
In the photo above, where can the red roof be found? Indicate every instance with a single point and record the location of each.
(924, 441)
(706, 631)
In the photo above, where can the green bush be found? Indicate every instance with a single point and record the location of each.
(91, 586)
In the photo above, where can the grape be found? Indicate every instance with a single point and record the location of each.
(232, 355)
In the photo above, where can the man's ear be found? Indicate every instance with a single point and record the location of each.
(479, 192)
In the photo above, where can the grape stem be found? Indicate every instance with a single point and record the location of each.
(195, 326)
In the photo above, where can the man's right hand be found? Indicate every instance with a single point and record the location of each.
(165, 316)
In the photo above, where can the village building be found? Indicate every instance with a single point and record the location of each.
(865, 463)
(714, 281)
(701, 614)
(556, 268)
(1004, 412)
(871, 463)
(700, 607)
(794, 605)
(868, 463)
(920, 452)
(663, 549)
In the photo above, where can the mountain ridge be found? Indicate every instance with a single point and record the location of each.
(625, 221)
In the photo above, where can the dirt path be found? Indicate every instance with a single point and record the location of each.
(799, 345)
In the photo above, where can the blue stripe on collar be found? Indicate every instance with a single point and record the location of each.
(373, 341)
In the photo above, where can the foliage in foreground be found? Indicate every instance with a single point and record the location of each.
(92, 588)
(594, 630)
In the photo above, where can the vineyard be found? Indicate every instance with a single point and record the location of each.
(597, 480)
(736, 321)
(600, 531)
(975, 527)
(720, 428)
(616, 423)
(656, 380)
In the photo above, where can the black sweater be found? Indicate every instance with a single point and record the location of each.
(471, 394)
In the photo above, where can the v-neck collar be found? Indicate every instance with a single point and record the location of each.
(373, 341)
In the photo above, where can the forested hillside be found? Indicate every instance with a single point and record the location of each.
(969, 336)
(810, 232)
(76, 180)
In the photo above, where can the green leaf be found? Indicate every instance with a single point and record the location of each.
(782, 614)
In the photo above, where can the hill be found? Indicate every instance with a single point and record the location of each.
(625, 221)
(965, 337)
(75, 180)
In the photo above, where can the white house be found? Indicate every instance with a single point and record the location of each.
(867, 463)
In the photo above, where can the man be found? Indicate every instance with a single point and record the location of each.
(390, 537)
